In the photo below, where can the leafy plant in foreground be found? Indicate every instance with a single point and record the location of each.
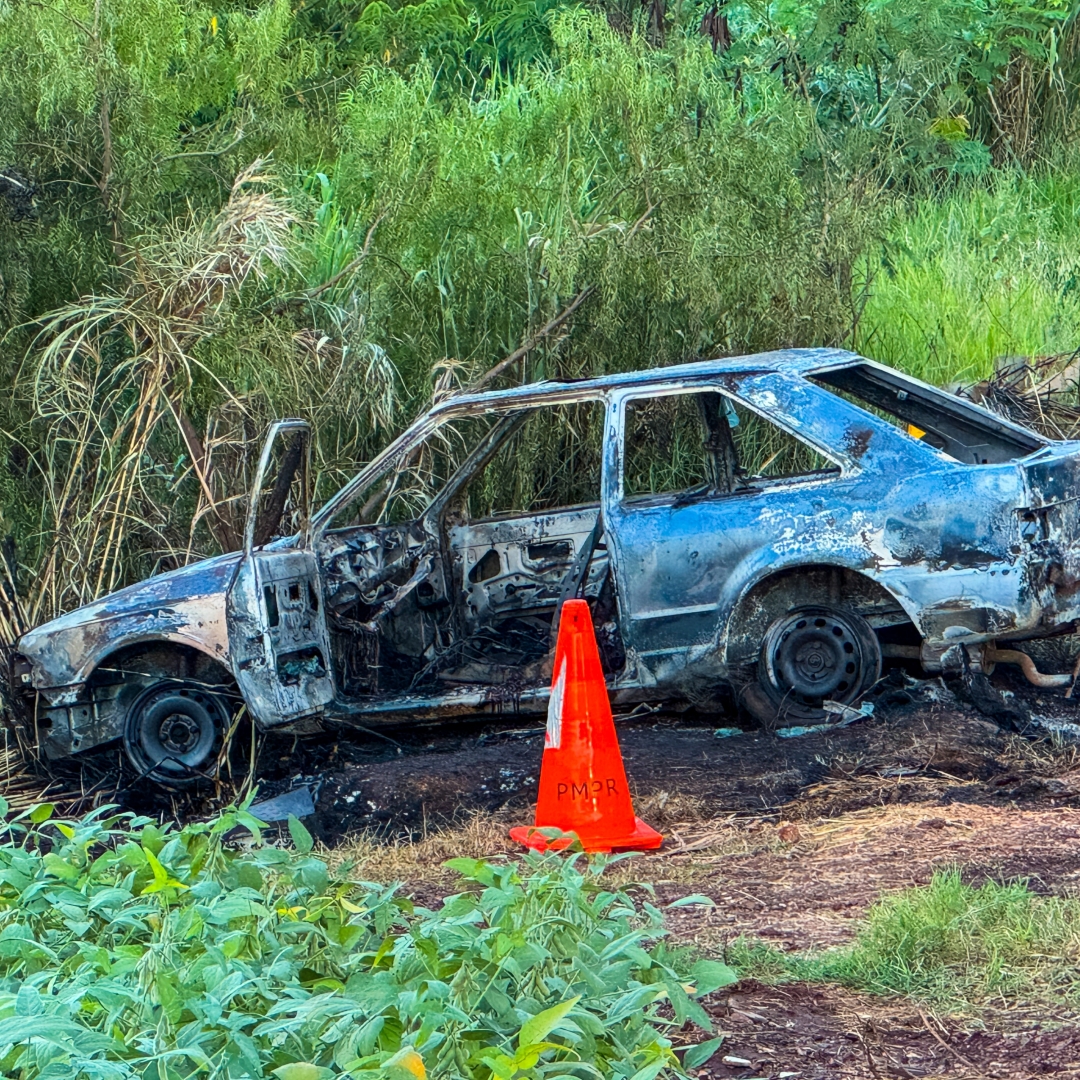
(128, 949)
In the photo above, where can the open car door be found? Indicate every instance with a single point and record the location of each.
(278, 638)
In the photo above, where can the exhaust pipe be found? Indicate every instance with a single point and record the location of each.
(1033, 675)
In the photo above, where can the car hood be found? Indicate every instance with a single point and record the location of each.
(182, 605)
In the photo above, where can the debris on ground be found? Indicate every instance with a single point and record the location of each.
(1039, 392)
(296, 803)
(924, 743)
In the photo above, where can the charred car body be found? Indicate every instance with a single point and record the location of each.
(779, 522)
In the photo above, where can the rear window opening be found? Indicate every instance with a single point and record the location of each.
(692, 445)
(956, 427)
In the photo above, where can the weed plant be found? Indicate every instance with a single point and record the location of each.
(132, 950)
(949, 943)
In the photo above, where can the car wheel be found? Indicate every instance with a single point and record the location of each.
(809, 656)
(173, 730)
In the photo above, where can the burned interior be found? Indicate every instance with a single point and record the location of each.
(449, 572)
(969, 435)
(784, 523)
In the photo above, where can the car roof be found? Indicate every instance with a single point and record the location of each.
(791, 361)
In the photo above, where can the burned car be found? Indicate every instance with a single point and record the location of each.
(778, 522)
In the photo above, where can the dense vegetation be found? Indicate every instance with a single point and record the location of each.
(131, 950)
(211, 214)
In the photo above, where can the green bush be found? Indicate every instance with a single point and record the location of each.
(131, 950)
(451, 173)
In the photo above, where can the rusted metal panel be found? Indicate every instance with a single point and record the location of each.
(280, 647)
(971, 532)
(185, 606)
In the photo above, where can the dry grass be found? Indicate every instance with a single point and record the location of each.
(482, 836)
(22, 788)
(693, 846)
(799, 885)
(106, 374)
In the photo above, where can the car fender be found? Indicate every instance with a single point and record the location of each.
(64, 658)
(749, 579)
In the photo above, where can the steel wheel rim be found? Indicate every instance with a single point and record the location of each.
(172, 731)
(812, 657)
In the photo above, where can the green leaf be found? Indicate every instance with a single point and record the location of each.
(162, 880)
(537, 1028)
(696, 1056)
(41, 812)
(161, 875)
(472, 869)
(301, 1070)
(697, 898)
(300, 836)
(633, 1002)
(251, 823)
(153, 839)
(171, 1002)
(248, 876)
(650, 1071)
(710, 975)
(60, 868)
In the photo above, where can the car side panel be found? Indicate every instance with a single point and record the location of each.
(939, 536)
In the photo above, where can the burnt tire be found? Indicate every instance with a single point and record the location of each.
(809, 656)
(173, 731)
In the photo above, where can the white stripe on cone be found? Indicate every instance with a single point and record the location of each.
(553, 737)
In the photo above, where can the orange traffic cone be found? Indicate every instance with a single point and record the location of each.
(583, 785)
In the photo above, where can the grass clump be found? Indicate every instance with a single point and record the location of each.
(948, 942)
(132, 950)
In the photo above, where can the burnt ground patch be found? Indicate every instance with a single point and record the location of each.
(924, 745)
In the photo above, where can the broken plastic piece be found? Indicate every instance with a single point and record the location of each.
(847, 714)
(796, 732)
(297, 803)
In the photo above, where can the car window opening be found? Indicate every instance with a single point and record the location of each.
(563, 446)
(958, 428)
(703, 445)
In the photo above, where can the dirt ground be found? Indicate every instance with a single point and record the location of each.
(924, 745)
(817, 1032)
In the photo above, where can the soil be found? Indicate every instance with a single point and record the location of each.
(793, 838)
(810, 891)
(924, 745)
(808, 1032)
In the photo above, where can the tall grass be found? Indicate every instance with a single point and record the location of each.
(991, 271)
(451, 175)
